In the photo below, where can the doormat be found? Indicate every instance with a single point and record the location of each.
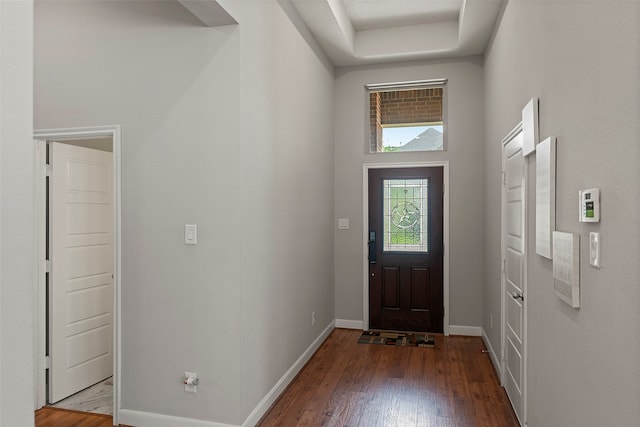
(397, 338)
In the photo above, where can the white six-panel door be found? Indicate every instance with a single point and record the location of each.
(514, 274)
(81, 275)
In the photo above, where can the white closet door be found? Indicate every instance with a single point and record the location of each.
(81, 276)
(514, 275)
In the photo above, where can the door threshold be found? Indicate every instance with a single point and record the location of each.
(398, 331)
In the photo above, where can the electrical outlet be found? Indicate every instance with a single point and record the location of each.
(191, 382)
(313, 319)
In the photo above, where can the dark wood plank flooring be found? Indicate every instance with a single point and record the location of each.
(351, 384)
(57, 417)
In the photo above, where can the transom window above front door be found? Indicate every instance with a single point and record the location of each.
(407, 116)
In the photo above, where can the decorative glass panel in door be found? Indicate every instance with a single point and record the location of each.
(406, 213)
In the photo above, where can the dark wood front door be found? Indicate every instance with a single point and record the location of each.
(405, 249)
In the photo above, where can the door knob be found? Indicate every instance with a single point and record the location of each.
(516, 296)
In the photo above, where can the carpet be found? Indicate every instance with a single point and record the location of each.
(397, 338)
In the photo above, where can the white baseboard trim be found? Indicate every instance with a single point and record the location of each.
(469, 331)
(147, 419)
(494, 356)
(349, 324)
(282, 384)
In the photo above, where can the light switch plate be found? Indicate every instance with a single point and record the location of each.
(594, 249)
(190, 234)
(343, 223)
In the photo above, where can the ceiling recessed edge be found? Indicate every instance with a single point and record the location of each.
(209, 12)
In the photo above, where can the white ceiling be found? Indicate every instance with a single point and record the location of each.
(353, 32)
(372, 14)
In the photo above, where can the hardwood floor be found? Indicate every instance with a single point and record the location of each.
(57, 417)
(351, 384)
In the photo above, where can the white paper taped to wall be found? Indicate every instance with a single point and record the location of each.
(566, 267)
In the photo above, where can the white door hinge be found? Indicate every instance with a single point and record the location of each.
(47, 362)
(504, 177)
(504, 265)
(47, 266)
(47, 170)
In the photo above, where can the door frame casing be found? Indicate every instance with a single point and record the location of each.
(445, 233)
(503, 248)
(41, 137)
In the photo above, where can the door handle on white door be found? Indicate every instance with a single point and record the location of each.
(516, 295)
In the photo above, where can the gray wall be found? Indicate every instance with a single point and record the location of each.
(16, 215)
(286, 156)
(229, 128)
(582, 59)
(464, 152)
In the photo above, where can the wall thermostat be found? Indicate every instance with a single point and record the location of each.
(590, 205)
